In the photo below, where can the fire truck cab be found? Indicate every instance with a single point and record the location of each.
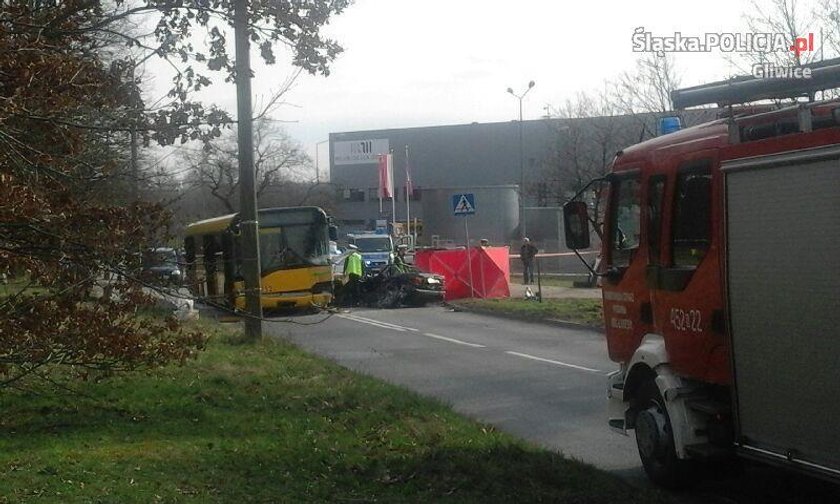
(721, 282)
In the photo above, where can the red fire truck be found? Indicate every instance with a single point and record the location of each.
(721, 281)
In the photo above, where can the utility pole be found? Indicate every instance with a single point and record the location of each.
(248, 195)
(135, 170)
(135, 114)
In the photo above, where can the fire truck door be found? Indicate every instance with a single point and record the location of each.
(623, 287)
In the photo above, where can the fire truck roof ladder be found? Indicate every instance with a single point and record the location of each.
(739, 90)
(824, 75)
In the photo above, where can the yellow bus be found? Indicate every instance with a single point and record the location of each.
(294, 258)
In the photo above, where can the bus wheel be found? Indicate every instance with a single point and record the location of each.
(655, 439)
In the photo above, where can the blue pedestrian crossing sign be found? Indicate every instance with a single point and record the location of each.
(463, 204)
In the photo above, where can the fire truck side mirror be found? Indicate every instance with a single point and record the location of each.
(333, 232)
(576, 224)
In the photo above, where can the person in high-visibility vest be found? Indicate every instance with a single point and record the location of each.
(353, 268)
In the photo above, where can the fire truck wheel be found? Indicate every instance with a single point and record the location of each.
(655, 440)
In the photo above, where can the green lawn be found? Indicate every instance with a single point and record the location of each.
(580, 311)
(16, 286)
(269, 423)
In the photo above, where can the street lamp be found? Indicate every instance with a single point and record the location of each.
(522, 227)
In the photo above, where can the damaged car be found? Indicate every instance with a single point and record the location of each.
(394, 286)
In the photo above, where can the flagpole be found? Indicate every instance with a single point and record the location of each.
(408, 190)
(379, 191)
(393, 196)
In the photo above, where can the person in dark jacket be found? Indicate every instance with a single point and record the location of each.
(527, 253)
(399, 259)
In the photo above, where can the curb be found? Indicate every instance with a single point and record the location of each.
(552, 322)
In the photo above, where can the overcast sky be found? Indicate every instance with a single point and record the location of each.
(433, 62)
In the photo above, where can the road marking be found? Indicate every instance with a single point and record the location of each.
(453, 340)
(374, 321)
(377, 324)
(564, 364)
(395, 327)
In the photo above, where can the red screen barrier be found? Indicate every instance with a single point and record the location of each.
(490, 270)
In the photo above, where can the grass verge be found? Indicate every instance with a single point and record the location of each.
(269, 423)
(579, 311)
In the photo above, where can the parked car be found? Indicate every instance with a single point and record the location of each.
(393, 286)
(161, 267)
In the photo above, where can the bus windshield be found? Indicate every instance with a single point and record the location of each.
(377, 244)
(293, 246)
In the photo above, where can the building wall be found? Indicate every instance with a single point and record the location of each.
(471, 156)
(446, 156)
(459, 156)
(496, 217)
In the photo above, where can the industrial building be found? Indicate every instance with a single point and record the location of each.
(488, 160)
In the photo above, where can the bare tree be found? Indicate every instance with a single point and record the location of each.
(644, 94)
(593, 127)
(648, 87)
(828, 11)
(278, 160)
(588, 133)
(790, 18)
(585, 138)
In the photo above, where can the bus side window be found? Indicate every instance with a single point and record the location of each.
(228, 264)
(189, 258)
(237, 257)
(691, 233)
(189, 249)
(211, 248)
(625, 222)
(656, 198)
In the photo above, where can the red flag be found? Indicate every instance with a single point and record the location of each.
(386, 176)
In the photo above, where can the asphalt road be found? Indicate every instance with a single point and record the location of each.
(539, 382)
(542, 383)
